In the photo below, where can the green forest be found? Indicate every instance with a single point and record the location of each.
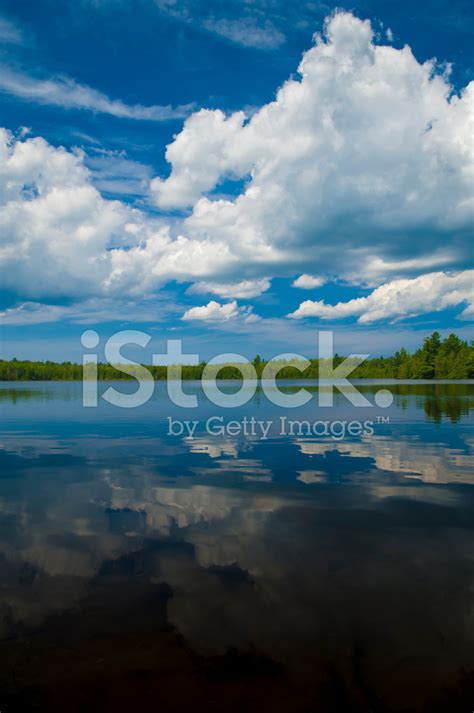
(437, 358)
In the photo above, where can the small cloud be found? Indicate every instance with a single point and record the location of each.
(215, 312)
(245, 289)
(308, 282)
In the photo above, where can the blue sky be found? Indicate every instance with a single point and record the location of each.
(151, 177)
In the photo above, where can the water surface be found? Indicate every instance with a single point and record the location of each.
(298, 572)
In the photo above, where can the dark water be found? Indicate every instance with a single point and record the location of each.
(225, 572)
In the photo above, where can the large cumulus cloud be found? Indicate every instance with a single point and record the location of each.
(60, 238)
(367, 148)
(361, 169)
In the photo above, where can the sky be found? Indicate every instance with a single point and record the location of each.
(236, 174)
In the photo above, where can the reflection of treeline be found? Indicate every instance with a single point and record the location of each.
(451, 358)
(14, 395)
(453, 408)
(437, 400)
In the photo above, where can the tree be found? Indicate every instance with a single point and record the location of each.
(427, 356)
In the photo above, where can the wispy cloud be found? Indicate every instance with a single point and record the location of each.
(244, 289)
(91, 311)
(252, 28)
(69, 94)
(114, 173)
(9, 33)
(246, 32)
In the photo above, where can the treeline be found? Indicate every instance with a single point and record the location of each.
(437, 358)
(450, 358)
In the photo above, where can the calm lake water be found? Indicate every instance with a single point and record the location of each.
(301, 572)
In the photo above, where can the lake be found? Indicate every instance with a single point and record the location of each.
(296, 567)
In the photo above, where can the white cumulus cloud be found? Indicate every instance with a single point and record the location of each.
(308, 282)
(60, 237)
(215, 312)
(362, 167)
(365, 151)
(199, 156)
(400, 298)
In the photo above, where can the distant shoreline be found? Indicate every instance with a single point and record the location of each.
(290, 380)
(447, 359)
